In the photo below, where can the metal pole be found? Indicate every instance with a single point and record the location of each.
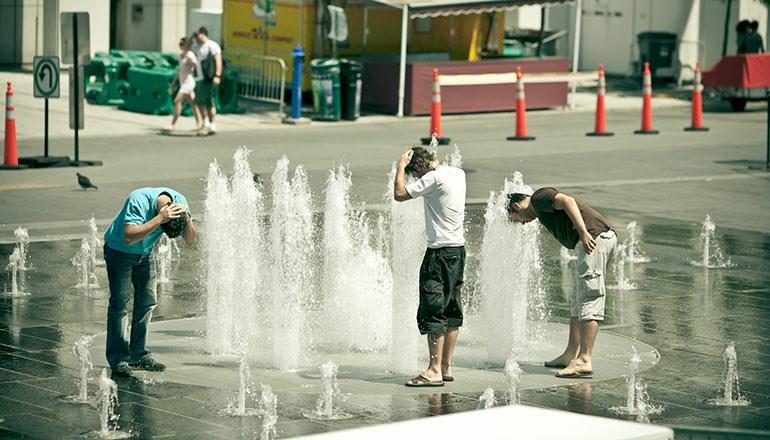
(75, 72)
(45, 142)
(767, 157)
(402, 61)
(542, 30)
(727, 27)
(576, 48)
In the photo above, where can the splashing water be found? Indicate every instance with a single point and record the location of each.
(487, 399)
(634, 252)
(566, 255)
(731, 388)
(621, 282)
(513, 379)
(328, 406)
(17, 275)
(82, 353)
(407, 225)
(356, 276)
(433, 147)
(236, 262)
(107, 404)
(454, 159)
(711, 254)
(513, 308)
(163, 259)
(291, 235)
(22, 242)
(637, 399)
(269, 408)
(238, 407)
(94, 242)
(85, 269)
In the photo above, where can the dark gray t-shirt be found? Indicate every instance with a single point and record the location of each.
(558, 222)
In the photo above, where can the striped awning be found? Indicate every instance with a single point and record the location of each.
(443, 8)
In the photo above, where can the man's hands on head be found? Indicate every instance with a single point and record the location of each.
(171, 211)
(405, 158)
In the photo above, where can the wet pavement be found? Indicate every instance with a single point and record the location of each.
(687, 313)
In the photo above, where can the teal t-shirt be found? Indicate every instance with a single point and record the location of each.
(140, 206)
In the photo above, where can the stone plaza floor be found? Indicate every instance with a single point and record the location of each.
(680, 318)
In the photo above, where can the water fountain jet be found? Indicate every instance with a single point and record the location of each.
(731, 388)
(328, 406)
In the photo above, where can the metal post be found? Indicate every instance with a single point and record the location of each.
(402, 62)
(298, 56)
(75, 72)
(45, 141)
(727, 27)
(576, 48)
(542, 30)
(767, 157)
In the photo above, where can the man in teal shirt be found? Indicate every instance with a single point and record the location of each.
(128, 243)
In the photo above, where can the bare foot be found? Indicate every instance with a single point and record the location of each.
(560, 362)
(446, 372)
(169, 128)
(432, 375)
(576, 368)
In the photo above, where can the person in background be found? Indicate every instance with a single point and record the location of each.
(210, 58)
(188, 66)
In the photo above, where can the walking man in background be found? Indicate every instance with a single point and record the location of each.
(209, 56)
(128, 243)
(440, 314)
(576, 226)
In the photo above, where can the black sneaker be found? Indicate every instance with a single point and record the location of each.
(121, 371)
(148, 364)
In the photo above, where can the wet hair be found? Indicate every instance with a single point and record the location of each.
(421, 158)
(514, 198)
(203, 30)
(175, 227)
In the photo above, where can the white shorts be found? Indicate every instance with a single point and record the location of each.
(187, 86)
(590, 272)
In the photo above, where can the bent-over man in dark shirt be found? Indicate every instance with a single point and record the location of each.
(576, 226)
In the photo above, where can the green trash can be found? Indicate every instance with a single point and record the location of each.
(351, 82)
(325, 76)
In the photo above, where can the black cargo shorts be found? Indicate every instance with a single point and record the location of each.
(441, 281)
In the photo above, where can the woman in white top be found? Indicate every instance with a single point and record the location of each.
(188, 66)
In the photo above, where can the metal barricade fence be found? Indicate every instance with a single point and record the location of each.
(262, 78)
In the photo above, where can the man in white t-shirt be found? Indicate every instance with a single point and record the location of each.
(440, 312)
(209, 76)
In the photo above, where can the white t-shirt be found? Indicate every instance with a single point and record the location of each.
(202, 51)
(443, 191)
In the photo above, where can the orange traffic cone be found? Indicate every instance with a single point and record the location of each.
(647, 103)
(697, 103)
(11, 161)
(435, 114)
(600, 124)
(521, 111)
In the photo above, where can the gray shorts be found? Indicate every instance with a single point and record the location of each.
(587, 301)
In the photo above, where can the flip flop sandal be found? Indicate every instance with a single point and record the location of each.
(575, 375)
(449, 379)
(422, 381)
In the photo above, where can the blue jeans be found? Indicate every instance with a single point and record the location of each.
(126, 271)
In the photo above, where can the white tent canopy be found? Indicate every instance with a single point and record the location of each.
(441, 8)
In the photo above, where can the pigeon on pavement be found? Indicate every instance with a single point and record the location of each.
(85, 182)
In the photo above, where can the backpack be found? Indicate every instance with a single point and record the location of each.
(208, 67)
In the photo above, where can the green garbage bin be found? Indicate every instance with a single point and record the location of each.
(352, 82)
(325, 76)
